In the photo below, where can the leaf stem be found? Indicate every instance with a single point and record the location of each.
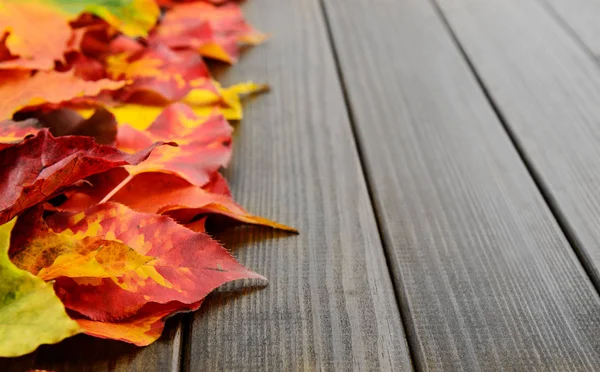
(116, 189)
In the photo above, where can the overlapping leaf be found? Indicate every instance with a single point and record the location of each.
(160, 71)
(214, 31)
(172, 265)
(19, 89)
(88, 90)
(30, 313)
(33, 170)
(204, 144)
(27, 40)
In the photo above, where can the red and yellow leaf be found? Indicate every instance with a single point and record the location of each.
(162, 193)
(186, 268)
(33, 170)
(49, 255)
(161, 72)
(204, 144)
(214, 31)
(30, 312)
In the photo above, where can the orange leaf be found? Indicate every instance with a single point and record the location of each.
(163, 193)
(18, 89)
(38, 34)
(141, 329)
(171, 195)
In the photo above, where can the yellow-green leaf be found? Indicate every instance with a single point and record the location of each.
(30, 312)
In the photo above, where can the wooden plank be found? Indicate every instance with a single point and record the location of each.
(487, 279)
(582, 17)
(330, 304)
(548, 89)
(84, 353)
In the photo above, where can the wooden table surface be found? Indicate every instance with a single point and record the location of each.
(441, 159)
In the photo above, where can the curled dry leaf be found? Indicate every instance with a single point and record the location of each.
(30, 312)
(33, 170)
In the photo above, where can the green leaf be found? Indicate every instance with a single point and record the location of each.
(30, 312)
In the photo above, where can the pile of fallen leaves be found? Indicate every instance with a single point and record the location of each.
(112, 135)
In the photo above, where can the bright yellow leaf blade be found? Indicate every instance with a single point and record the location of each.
(30, 312)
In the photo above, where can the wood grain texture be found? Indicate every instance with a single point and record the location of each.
(84, 353)
(330, 304)
(548, 89)
(487, 279)
(582, 17)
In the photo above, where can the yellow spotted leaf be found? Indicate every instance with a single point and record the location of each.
(187, 265)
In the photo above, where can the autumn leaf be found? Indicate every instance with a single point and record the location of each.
(164, 74)
(214, 31)
(18, 89)
(33, 170)
(204, 102)
(132, 17)
(229, 99)
(162, 193)
(30, 312)
(218, 185)
(30, 44)
(101, 126)
(204, 144)
(187, 265)
(141, 329)
(13, 132)
(49, 255)
(173, 196)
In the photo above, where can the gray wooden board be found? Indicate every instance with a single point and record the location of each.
(582, 17)
(330, 304)
(486, 278)
(547, 86)
(84, 353)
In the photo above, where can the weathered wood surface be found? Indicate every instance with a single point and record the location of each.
(581, 18)
(486, 278)
(330, 303)
(84, 353)
(547, 87)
